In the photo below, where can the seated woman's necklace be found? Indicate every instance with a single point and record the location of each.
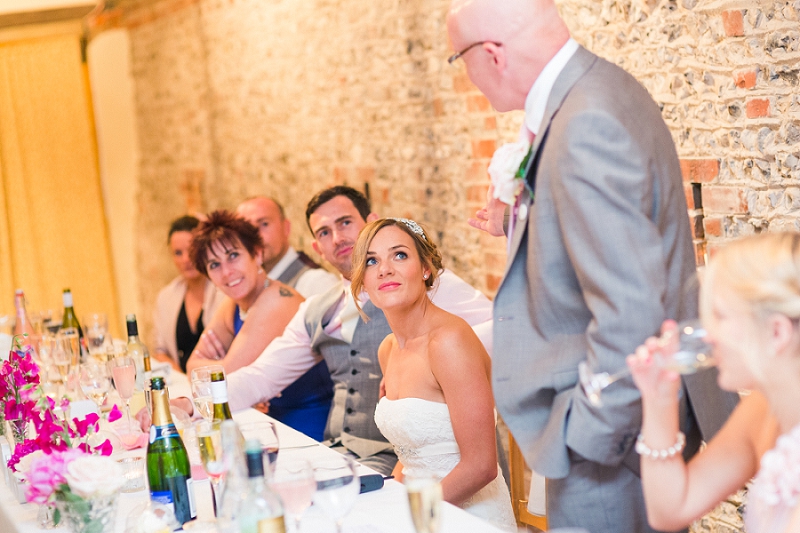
(242, 312)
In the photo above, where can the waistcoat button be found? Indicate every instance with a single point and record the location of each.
(353, 352)
(349, 410)
(351, 391)
(355, 371)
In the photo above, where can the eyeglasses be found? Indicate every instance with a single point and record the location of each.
(455, 56)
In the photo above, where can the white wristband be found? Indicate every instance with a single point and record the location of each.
(644, 450)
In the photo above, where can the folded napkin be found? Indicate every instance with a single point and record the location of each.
(129, 437)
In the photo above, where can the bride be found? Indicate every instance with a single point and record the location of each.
(438, 410)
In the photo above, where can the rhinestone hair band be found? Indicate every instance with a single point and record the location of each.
(413, 226)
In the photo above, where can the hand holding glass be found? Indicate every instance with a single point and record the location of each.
(692, 353)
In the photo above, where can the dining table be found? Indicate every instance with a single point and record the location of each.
(385, 510)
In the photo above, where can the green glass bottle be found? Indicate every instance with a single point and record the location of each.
(168, 469)
(219, 395)
(138, 352)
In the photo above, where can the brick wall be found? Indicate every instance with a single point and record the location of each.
(243, 97)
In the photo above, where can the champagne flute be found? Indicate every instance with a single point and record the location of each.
(95, 382)
(692, 354)
(209, 441)
(201, 389)
(425, 502)
(95, 329)
(337, 487)
(267, 434)
(294, 482)
(123, 369)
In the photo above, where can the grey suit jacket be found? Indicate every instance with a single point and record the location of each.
(603, 257)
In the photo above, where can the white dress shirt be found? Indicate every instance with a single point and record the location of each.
(312, 281)
(290, 356)
(536, 101)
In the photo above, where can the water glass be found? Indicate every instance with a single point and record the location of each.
(337, 487)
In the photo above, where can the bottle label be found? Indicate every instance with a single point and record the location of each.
(219, 391)
(66, 298)
(271, 525)
(163, 432)
(192, 506)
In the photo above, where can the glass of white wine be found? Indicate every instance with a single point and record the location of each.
(691, 354)
(425, 502)
(201, 389)
(209, 442)
(95, 380)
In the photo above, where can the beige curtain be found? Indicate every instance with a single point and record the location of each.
(52, 226)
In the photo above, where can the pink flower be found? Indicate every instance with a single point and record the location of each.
(115, 414)
(47, 473)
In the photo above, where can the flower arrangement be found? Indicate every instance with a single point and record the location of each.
(507, 169)
(80, 485)
(19, 378)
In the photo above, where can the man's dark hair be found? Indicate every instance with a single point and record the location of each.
(227, 229)
(358, 198)
(185, 223)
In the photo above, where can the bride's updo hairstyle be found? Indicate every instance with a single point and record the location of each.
(428, 252)
(763, 272)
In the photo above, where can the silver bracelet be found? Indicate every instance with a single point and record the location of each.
(643, 449)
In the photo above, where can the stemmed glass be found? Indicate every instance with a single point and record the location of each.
(69, 343)
(337, 487)
(95, 382)
(201, 389)
(95, 329)
(692, 354)
(267, 434)
(209, 441)
(123, 369)
(294, 482)
(425, 501)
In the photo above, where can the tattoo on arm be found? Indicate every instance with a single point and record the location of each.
(283, 291)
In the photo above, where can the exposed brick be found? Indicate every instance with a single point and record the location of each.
(462, 84)
(688, 192)
(699, 170)
(478, 103)
(490, 123)
(724, 199)
(757, 107)
(712, 226)
(483, 148)
(438, 107)
(696, 223)
(713, 247)
(478, 171)
(477, 194)
(495, 263)
(493, 282)
(340, 175)
(700, 253)
(365, 174)
(733, 22)
(745, 80)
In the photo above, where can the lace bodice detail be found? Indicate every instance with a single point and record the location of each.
(423, 438)
(776, 489)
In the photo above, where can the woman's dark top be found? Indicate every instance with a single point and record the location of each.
(186, 339)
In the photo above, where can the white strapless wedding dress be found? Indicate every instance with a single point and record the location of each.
(422, 436)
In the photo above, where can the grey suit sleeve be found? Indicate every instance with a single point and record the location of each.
(604, 201)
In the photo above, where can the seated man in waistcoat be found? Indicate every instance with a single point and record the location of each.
(327, 326)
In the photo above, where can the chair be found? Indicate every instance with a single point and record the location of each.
(519, 489)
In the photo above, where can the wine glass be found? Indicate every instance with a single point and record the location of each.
(425, 501)
(123, 369)
(95, 329)
(201, 389)
(691, 355)
(95, 382)
(294, 482)
(69, 342)
(267, 434)
(209, 441)
(337, 487)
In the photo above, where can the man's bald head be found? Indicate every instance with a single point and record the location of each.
(529, 33)
(268, 216)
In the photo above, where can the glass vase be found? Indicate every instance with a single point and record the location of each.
(19, 428)
(95, 515)
(46, 517)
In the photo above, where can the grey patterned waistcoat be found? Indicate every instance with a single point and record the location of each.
(355, 372)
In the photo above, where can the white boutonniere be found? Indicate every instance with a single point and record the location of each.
(507, 169)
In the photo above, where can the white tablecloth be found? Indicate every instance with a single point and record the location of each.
(382, 511)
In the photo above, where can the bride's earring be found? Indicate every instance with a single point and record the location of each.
(425, 277)
(260, 270)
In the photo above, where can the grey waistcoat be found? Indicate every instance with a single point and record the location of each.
(355, 372)
(291, 275)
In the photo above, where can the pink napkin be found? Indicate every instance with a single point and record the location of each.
(130, 437)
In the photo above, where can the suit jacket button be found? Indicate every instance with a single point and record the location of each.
(353, 352)
(349, 410)
(355, 371)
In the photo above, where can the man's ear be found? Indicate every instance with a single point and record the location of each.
(315, 246)
(498, 55)
(287, 226)
(372, 217)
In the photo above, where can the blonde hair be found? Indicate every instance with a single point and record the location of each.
(429, 254)
(763, 272)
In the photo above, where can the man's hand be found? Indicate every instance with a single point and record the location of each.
(182, 402)
(490, 218)
(209, 346)
(262, 407)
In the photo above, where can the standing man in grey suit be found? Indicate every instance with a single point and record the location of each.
(600, 255)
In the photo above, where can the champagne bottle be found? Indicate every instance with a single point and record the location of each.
(70, 320)
(168, 469)
(22, 326)
(219, 395)
(138, 352)
(261, 511)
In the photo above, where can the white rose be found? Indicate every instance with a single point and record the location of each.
(94, 475)
(503, 169)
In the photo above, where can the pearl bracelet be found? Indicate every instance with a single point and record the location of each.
(643, 449)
